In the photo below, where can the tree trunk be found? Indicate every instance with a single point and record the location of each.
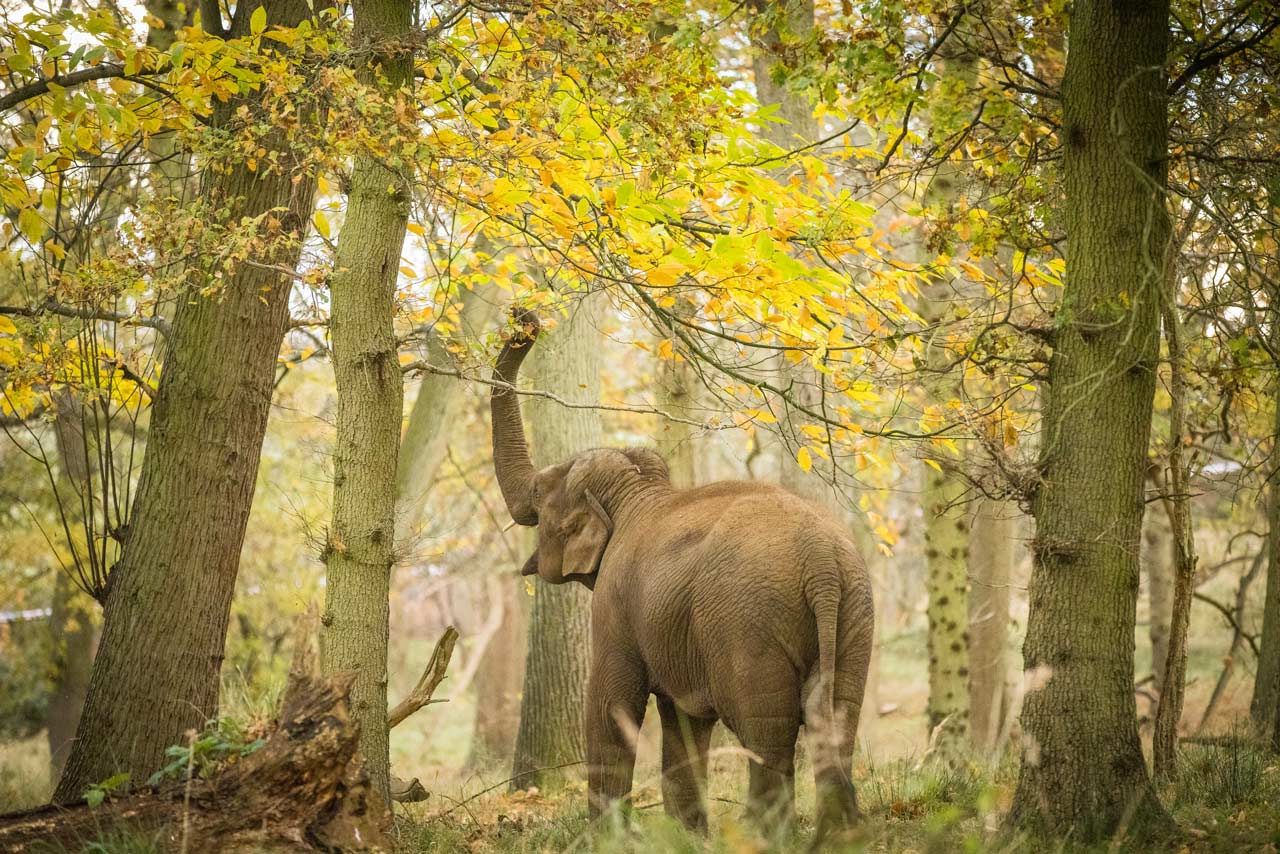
(360, 550)
(169, 596)
(425, 441)
(946, 538)
(499, 679)
(1157, 559)
(71, 623)
(1266, 686)
(1082, 767)
(676, 395)
(991, 557)
(566, 362)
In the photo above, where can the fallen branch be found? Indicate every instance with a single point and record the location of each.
(305, 790)
(431, 678)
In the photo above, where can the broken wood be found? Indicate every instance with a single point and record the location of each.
(304, 790)
(430, 680)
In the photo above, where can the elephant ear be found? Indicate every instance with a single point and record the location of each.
(583, 550)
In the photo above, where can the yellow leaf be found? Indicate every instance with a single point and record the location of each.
(933, 464)
(322, 223)
(664, 350)
(408, 271)
(414, 228)
(258, 20)
(6, 325)
(805, 459)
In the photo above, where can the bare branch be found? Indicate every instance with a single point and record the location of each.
(429, 681)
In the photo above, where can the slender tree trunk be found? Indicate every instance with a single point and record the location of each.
(567, 363)
(1157, 559)
(1266, 686)
(1177, 506)
(946, 540)
(676, 396)
(71, 623)
(425, 440)
(499, 679)
(360, 550)
(991, 555)
(169, 596)
(1082, 766)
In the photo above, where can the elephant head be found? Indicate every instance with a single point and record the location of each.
(571, 502)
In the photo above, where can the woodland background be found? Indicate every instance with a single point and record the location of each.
(915, 260)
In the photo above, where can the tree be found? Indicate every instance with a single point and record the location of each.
(169, 596)
(992, 536)
(1082, 767)
(567, 363)
(360, 550)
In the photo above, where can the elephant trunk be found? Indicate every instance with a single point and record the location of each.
(511, 459)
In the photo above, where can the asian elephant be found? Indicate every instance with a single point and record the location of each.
(735, 602)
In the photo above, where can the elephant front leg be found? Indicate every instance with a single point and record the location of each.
(616, 696)
(685, 741)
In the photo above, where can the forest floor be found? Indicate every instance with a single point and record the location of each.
(1226, 798)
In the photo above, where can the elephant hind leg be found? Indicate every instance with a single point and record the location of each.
(771, 738)
(685, 741)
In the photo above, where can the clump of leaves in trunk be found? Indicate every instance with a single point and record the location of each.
(222, 742)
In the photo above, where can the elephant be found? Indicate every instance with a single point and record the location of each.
(736, 602)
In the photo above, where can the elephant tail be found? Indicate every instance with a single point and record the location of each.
(824, 600)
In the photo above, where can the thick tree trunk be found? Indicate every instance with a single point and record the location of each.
(567, 363)
(361, 547)
(991, 555)
(946, 538)
(1082, 766)
(165, 617)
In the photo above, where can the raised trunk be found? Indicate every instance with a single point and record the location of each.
(1082, 767)
(551, 730)
(991, 539)
(360, 550)
(168, 601)
(511, 462)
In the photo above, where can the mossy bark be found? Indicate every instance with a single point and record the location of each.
(1082, 767)
(360, 550)
(165, 617)
(567, 363)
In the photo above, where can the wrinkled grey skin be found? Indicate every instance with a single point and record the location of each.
(736, 602)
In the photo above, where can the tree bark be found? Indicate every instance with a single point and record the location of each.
(169, 596)
(360, 550)
(1082, 767)
(991, 557)
(1266, 686)
(677, 388)
(946, 539)
(1157, 559)
(567, 363)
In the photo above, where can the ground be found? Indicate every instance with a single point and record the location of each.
(1226, 798)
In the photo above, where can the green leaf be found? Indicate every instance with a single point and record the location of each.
(95, 796)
